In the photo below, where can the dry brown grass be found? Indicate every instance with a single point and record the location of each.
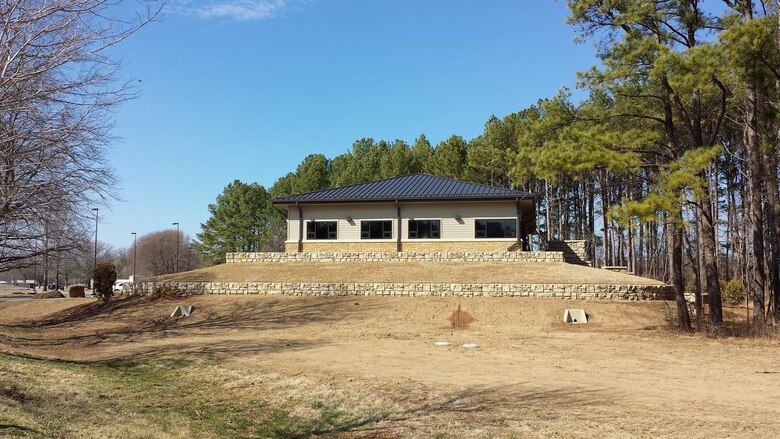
(260, 366)
(455, 272)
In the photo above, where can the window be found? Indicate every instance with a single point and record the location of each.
(321, 230)
(424, 229)
(376, 229)
(495, 228)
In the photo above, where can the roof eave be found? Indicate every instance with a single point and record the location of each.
(517, 197)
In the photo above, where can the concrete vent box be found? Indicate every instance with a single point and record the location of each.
(182, 311)
(575, 316)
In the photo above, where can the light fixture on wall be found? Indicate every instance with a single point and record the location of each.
(349, 219)
(457, 218)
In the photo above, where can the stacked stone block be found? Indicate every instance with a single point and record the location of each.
(343, 256)
(416, 289)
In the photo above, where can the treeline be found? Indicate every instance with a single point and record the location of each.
(369, 160)
(678, 139)
(667, 163)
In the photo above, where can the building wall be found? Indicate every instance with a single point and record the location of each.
(457, 234)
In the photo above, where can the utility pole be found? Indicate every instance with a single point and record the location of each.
(135, 253)
(94, 262)
(189, 248)
(177, 246)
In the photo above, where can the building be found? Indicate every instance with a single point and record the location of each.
(418, 212)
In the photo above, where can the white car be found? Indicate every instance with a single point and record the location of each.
(119, 284)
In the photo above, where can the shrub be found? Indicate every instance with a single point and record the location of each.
(732, 291)
(76, 290)
(105, 277)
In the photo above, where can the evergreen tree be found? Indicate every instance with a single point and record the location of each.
(422, 151)
(449, 158)
(242, 220)
(312, 174)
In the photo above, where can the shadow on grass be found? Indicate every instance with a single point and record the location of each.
(11, 428)
(127, 321)
(241, 314)
(485, 405)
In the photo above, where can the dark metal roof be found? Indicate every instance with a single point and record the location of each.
(414, 187)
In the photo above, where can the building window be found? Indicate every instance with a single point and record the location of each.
(376, 229)
(495, 228)
(321, 230)
(424, 229)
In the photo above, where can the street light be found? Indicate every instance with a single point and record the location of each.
(189, 248)
(94, 263)
(135, 253)
(177, 246)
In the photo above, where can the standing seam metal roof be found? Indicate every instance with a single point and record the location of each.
(414, 187)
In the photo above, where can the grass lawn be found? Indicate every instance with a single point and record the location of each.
(168, 397)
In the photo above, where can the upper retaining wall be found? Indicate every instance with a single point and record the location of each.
(574, 250)
(396, 257)
(419, 246)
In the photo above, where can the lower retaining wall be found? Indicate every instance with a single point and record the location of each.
(444, 256)
(564, 291)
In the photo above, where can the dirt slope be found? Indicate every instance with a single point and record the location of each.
(455, 272)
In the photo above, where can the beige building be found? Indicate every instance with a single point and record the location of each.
(417, 212)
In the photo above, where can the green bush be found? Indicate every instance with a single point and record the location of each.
(732, 291)
(105, 277)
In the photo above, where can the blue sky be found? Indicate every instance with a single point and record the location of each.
(245, 89)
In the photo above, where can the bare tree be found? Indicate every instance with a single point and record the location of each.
(157, 254)
(58, 86)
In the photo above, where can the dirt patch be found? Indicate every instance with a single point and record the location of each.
(433, 272)
(12, 392)
(49, 295)
(460, 319)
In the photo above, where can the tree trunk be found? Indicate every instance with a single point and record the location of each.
(675, 267)
(773, 232)
(697, 262)
(709, 256)
(592, 227)
(755, 180)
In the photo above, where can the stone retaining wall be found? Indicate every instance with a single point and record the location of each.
(574, 250)
(564, 291)
(396, 257)
(480, 245)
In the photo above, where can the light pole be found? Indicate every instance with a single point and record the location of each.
(135, 253)
(189, 247)
(94, 262)
(177, 246)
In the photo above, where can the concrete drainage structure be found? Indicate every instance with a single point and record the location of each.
(182, 311)
(575, 316)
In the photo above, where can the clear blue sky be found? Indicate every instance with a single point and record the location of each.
(245, 89)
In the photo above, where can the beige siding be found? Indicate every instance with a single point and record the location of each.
(452, 229)
(348, 231)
